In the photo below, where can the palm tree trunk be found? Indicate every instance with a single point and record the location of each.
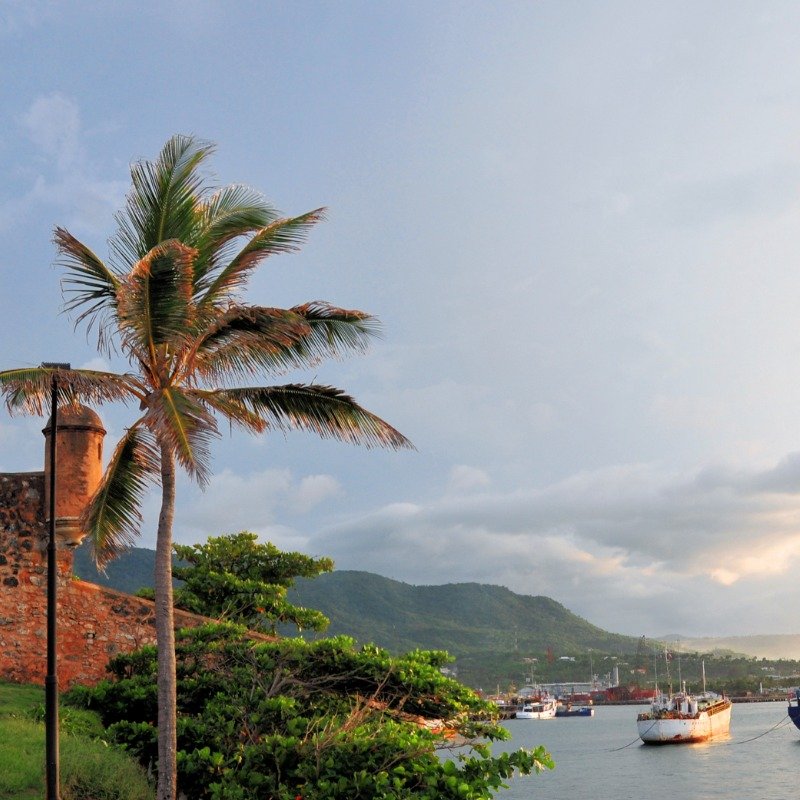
(165, 635)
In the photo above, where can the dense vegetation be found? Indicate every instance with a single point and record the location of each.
(261, 716)
(321, 720)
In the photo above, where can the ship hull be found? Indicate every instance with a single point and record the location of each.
(794, 711)
(684, 729)
(582, 711)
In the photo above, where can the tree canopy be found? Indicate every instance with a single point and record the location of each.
(239, 579)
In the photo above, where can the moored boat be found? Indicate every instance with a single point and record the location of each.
(794, 708)
(537, 708)
(676, 719)
(574, 710)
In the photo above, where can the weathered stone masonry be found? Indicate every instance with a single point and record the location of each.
(94, 623)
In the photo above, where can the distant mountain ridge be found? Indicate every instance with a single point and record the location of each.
(130, 572)
(770, 646)
(460, 617)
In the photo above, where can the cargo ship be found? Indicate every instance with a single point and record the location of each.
(681, 718)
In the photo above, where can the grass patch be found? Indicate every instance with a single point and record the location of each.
(90, 770)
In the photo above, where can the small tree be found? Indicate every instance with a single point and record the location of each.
(239, 579)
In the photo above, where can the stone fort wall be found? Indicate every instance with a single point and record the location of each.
(94, 623)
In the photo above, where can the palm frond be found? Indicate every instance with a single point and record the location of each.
(28, 390)
(231, 212)
(163, 202)
(247, 340)
(334, 330)
(232, 409)
(185, 426)
(281, 236)
(88, 283)
(324, 410)
(112, 519)
(155, 299)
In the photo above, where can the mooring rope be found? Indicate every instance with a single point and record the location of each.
(637, 739)
(783, 721)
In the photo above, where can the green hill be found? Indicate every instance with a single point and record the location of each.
(458, 617)
(128, 573)
(489, 630)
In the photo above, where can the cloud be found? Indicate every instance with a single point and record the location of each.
(465, 479)
(20, 15)
(618, 545)
(63, 175)
(258, 501)
(311, 491)
(53, 124)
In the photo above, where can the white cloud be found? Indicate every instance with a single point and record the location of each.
(53, 123)
(466, 479)
(311, 491)
(64, 175)
(98, 363)
(618, 545)
(255, 501)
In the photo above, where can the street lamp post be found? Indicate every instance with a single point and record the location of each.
(51, 679)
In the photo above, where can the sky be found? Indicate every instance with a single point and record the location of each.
(579, 225)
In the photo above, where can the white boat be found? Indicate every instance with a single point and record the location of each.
(675, 719)
(537, 708)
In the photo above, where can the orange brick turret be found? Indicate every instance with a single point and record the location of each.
(94, 623)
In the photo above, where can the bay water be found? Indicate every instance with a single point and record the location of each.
(602, 758)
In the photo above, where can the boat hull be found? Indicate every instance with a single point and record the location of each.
(583, 711)
(685, 729)
(794, 711)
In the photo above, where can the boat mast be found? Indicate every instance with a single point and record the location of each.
(655, 667)
(703, 664)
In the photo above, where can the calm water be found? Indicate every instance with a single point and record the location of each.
(590, 767)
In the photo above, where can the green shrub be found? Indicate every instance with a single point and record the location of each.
(326, 720)
(92, 770)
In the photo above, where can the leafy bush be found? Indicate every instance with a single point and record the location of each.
(322, 720)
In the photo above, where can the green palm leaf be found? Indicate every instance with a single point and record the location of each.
(235, 411)
(163, 202)
(281, 236)
(154, 299)
(112, 520)
(185, 426)
(229, 213)
(28, 390)
(88, 284)
(325, 410)
(249, 340)
(334, 330)
(245, 340)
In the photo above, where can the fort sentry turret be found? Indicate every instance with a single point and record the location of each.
(80, 468)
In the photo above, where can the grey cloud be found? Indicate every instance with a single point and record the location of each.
(641, 539)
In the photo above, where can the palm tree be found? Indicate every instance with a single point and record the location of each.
(169, 302)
